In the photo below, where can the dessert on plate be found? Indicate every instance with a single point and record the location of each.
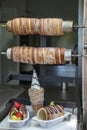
(50, 112)
(18, 111)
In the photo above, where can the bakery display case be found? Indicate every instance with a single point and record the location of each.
(46, 38)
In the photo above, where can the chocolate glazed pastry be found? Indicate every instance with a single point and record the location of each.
(45, 55)
(50, 112)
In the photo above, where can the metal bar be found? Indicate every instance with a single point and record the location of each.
(79, 26)
(78, 55)
(58, 79)
(19, 77)
(4, 25)
(3, 53)
(72, 55)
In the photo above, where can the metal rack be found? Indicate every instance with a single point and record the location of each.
(47, 73)
(53, 74)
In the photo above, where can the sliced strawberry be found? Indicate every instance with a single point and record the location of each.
(17, 104)
(19, 114)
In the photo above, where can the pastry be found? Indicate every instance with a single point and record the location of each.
(50, 26)
(40, 55)
(18, 111)
(36, 93)
(46, 26)
(50, 112)
(23, 25)
(36, 98)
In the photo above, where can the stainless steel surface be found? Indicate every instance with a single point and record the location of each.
(67, 26)
(67, 55)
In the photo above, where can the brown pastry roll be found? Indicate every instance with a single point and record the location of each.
(23, 25)
(46, 26)
(50, 26)
(36, 98)
(45, 55)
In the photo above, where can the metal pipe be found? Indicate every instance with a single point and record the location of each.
(67, 26)
(67, 55)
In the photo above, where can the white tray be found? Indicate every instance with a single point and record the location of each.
(18, 123)
(54, 122)
(34, 125)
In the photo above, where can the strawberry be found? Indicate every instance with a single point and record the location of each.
(19, 114)
(17, 105)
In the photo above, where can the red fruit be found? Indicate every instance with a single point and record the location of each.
(17, 105)
(19, 114)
